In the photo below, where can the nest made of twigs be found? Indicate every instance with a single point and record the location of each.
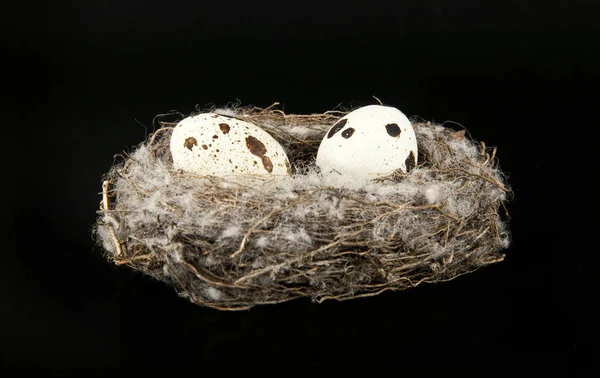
(231, 247)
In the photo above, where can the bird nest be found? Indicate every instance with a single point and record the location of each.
(231, 246)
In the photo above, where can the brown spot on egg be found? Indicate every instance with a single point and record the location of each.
(393, 130)
(215, 136)
(215, 116)
(337, 127)
(410, 161)
(267, 163)
(224, 128)
(348, 132)
(190, 142)
(205, 146)
(255, 146)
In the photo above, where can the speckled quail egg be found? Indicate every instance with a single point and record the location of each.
(218, 145)
(371, 141)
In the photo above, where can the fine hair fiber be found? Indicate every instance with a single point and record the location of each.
(231, 246)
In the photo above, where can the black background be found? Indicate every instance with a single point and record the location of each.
(84, 80)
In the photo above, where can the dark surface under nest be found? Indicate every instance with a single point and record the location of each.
(231, 247)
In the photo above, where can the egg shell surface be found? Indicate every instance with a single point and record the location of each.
(218, 145)
(371, 141)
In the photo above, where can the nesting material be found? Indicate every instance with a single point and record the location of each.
(230, 247)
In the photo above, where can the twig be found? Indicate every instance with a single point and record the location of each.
(110, 227)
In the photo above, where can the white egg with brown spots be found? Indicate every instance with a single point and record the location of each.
(369, 142)
(211, 144)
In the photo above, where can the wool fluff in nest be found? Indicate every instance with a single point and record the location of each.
(231, 247)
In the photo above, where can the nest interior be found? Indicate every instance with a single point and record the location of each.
(231, 247)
